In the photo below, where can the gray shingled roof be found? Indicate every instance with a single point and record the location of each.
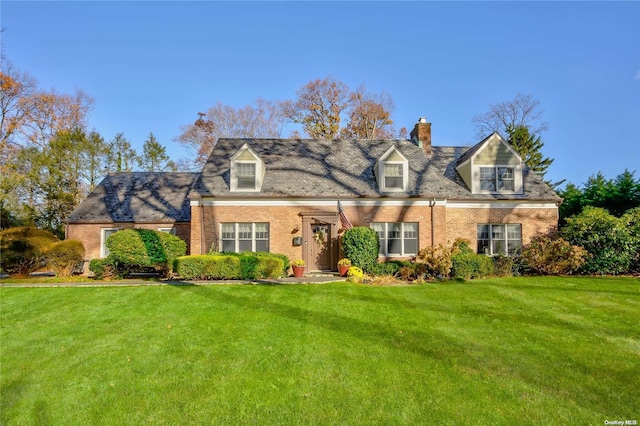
(344, 168)
(138, 197)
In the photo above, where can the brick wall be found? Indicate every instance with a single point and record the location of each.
(462, 223)
(90, 234)
(283, 220)
(450, 223)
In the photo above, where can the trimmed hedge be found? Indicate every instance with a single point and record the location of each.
(471, 265)
(132, 249)
(230, 266)
(65, 257)
(285, 259)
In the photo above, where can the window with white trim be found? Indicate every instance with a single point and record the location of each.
(394, 176)
(397, 238)
(246, 175)
(171, 231)
(104, 234)
(500, 239)
(496, 179)
(239, 237)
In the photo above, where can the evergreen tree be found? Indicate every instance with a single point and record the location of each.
(154, 157)
(529, 146)
(122, 156)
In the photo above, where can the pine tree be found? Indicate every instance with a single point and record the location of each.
(154, 157)
(529, 146)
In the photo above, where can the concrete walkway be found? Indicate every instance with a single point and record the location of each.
(317, 279)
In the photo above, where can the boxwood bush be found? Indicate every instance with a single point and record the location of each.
(229, 266)
(133, 249)
(360, 244)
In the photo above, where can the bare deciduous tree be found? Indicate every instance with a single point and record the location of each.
(369, 116)
(262, 120)
(16, 93)
(521, 111)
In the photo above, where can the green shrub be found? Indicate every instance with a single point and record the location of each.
(132, 249)
(361, 245)
(229, 266)
(102, 268)
(386, 268)
(269, 267)
(605, 237)
(286, 263)
(470, 265)
(65, 257)
(462, 266)
(23, 249)
(552, 256)
(631, 221)
(503, 266)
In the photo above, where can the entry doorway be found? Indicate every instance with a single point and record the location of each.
(320, 243)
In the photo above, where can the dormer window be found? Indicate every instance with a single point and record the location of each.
(492, 167)
(392, 171)
(246, 175)
(496, 179)
(247, 170)
(393, 176)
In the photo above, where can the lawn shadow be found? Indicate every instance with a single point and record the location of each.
(433, 345)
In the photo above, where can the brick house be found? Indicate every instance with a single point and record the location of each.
(280, 195)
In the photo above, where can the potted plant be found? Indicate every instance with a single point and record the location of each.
(298, 268)
(343, 266)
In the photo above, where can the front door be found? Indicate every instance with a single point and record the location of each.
(320, 247)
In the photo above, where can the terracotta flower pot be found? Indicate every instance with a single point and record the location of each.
(343, 269)
(298, 271)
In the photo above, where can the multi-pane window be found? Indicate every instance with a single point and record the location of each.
(239, 237)
(104, 234)
(246, 173)
(397, 238)
(393, 176)
(497, 179)
(499, 239)
(505, 179)
(487, 178)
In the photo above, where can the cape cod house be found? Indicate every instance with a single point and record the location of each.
(280, 195)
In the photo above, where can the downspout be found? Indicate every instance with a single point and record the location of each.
(433, 223)
(202, 233)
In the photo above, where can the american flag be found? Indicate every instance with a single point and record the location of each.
(344, 220)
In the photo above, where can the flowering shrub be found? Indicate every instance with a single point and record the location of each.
(355, 274)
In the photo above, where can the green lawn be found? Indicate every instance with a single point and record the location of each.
(499, 351)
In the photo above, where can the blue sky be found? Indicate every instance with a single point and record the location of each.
(151, 66)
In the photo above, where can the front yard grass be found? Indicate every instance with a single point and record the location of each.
(545, 350)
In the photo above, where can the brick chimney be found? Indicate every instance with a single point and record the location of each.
(421, 135)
